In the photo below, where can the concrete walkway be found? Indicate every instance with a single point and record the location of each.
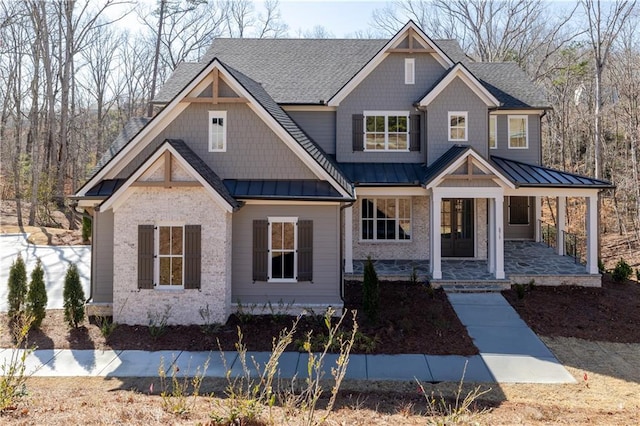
(509, 353)
(508, 347)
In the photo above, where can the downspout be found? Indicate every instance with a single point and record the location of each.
(342, 224)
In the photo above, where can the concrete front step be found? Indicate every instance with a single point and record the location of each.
(473, 286)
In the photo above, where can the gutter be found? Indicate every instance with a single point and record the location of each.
(344, 206)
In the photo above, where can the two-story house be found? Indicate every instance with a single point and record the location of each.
(277, 165)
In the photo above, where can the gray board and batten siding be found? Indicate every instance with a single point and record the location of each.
(324, 287)
(384, 89)
(102, 258)
(253, 151)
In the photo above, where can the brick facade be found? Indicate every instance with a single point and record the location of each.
(188, 206)
(416, 249)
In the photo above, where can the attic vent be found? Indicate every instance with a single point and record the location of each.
(409, 71)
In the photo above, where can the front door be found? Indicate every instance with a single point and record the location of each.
(456, 227)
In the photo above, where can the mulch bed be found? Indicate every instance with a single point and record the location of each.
(413, 319)
(610, 313)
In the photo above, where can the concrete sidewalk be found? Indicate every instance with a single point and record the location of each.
(133, 363)
(508, 347)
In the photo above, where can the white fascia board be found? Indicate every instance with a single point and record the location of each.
(362, 191)
(468, 192)
(553, 192)
(440, 56)
(314, 108)
(122, 194)
(469, 79)
(150, 131)
(289, 202)
(534, 111)
(273, 124)
(483, 164)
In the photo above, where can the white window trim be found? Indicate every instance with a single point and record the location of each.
(493, 122)
(386, 115)
(156, 257)
(223, 115)
(283, 219)
(466, 125)
(375, 234)
(409, 71)
(526, 131)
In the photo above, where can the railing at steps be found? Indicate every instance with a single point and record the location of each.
(574, 244)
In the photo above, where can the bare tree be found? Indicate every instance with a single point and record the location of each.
(604, 27)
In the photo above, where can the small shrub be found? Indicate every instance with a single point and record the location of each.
(158, 322)
(86, 229)
(622, 271)
(370, 291)
(13, 371)
(461, 411)
(37, 296)
(73, 297)
(209, 326)
(17, 285)
(413, 278)
(176, 391)
(520, 290)
(245, 313)
(431, 292)
(106, 325)
(601, 268)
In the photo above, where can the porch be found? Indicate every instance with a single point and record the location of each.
(523, 261)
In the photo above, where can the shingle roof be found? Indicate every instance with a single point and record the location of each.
(282, 189)
(509, 84)
(203, 170)
(522, 174)
(293, 71)
(259, 93)
(181, 76)
(130, 129)
(391, 174)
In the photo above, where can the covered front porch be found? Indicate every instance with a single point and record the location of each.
(524, 261)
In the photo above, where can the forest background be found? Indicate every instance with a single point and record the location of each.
(71, 75)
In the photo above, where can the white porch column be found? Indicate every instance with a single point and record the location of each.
(537, 207)
(348, 240)
(491, 249)
(592, 234)
(499, 236)
(561, 210)
(436, 243)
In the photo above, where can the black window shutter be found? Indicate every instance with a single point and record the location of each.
(260, 250)
(358, 132)
(414, 133)
(145, 256)
(305, 250)
(192, 256)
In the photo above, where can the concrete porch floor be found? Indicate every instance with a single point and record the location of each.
(523, 260)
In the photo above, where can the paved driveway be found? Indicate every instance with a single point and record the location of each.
(55, 261)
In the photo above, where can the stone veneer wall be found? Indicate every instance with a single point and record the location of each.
(481, 228)
(188, 206)
(416, 249)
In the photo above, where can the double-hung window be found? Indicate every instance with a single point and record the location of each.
(493, 132)
(518, 132)
(386, 219)
(217, 131)
(458, 126)
(170, 256)
(283, 244)
(386, 131)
